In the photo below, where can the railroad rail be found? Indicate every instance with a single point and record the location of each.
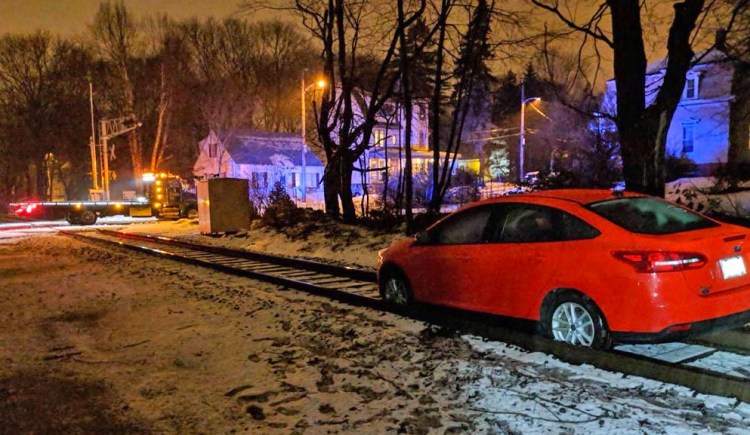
(713, 364)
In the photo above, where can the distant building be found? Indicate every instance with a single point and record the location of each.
(387, 148)
(706, 127)
(262, 158)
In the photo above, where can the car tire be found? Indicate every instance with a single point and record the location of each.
(192, 214)
(87, 217)
(73, 218)
(395, 289)
(574, 319)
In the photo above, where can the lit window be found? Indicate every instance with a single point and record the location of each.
(688, 137)
(378, 136)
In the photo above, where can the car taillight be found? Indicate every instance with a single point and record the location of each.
(661, 261)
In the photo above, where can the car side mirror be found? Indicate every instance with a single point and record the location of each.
(423, 238)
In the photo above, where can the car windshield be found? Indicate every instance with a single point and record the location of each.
(646, 215)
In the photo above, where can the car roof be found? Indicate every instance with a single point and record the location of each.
(580, 196)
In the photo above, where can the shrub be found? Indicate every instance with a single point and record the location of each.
(281, 210)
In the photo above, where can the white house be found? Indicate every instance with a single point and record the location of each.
(701, 129)
(262, 158)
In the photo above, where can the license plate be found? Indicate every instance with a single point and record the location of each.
(732, 267)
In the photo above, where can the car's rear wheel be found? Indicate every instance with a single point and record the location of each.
(73, 218)
(574, 319)
(395, 289)
(88, 217)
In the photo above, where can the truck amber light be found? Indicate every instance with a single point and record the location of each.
(661, 261)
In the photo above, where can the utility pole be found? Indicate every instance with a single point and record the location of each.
(95, 191)
(304, 144)
(522, 134)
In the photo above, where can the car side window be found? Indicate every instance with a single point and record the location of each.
(530, 223)
(574, 228)
(467, 227)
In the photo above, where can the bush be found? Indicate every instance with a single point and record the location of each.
(281, 210)
(678, 167)
(730, 175)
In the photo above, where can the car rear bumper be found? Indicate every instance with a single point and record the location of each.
(676, 332)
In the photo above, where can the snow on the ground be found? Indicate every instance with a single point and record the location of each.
(345, 244)
(551, 394)
(184, 349)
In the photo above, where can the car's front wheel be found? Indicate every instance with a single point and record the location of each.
(576, 320)
(395, 289)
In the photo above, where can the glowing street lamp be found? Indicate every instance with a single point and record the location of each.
(320, 84)
(522, 138)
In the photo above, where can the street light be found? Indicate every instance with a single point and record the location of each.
(320, 84)
(522, 138)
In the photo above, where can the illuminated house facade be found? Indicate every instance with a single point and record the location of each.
(710, 125)
(262, 158)
(387, 148)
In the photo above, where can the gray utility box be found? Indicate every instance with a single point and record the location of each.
(223, 205)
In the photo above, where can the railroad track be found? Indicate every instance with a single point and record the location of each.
(714, 364)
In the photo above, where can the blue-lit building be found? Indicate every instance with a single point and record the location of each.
(711, 124)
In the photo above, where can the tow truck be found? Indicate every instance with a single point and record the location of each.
(165, 196)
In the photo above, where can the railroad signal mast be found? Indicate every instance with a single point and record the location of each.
(108, 129)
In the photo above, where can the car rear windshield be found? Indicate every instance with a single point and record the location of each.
(646, 215)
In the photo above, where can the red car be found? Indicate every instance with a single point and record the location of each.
(593, 267)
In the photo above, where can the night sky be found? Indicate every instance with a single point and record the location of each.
(71, 17)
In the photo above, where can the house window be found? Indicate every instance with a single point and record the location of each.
(212, 150)
(688, 137)
(691, 88)
(422, 138)
(377, 137)
(259, 180)
(317, 178)
(294, 179)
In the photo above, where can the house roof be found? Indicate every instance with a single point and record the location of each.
(713, 55)
(702, 58)
(250, 147)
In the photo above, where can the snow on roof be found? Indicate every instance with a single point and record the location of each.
(250, 147)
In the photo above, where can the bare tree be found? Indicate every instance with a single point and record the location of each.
(115, 32)
(41, 94)
(350, 105)
(617, 25)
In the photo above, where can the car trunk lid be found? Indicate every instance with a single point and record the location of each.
(727, 250)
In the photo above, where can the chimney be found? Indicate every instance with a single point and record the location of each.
(720, 40)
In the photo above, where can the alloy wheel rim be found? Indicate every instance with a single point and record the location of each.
(396, 291)
(573, 324)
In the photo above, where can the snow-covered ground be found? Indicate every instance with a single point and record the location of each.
(102, 341)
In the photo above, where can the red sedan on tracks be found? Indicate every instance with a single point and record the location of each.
(593, 267)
